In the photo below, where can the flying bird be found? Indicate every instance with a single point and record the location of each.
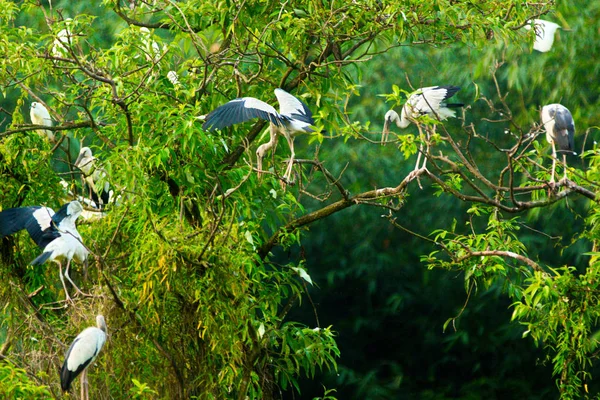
(40, 116)
(544, 34)
(560, 132)
(94, 178)
(81, 354)
(429, 101)
(294, 117)
(54, 233)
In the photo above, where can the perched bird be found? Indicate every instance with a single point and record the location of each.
(81, 354)
(544, 34)
(94, 177)
(64, 38)
(429, 101)
(54, 233)
(293, 118)
(40, 116)
(560, 132)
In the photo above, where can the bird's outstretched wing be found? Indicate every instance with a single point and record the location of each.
(241, 110)
(429, 99)
(36, 219)
(291, 106)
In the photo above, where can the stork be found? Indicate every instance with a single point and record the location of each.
(294, 117)
(429, 101)
(560, 131)
(40, 116)
(544, 34)
(82, 352)
(54, 233)
(93, 177)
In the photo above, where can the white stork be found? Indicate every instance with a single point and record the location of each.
(81, 354)
(294, 117)
(560, 131)
(40, 116)
(429, 101)
(544, 34)
(54, 233)
(93, 177)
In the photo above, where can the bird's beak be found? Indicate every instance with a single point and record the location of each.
(201, 117)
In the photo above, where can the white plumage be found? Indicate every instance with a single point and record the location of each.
(429, 101)
(544, 34)
(82, 352)
(54, 233)
(40, 116)
(294, 117)
(560, 132)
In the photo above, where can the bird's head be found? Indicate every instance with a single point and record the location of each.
(101, 323)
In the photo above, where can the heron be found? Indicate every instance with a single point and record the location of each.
(294, 117)
(544, 34)
(560, 131)
(40, 116)
(82, 352)
(93, 177)
(429, 101)
(54, 233)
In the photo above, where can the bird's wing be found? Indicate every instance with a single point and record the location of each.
(36, 219)
(429, 100)
(238, 111)
(82, 352)
(291, 106)
(564, 129)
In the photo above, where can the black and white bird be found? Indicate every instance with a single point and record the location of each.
(429, 101)
(54, 233)
(560, 132)
(544, 34)
(40, 116)
(94, 177)
(81, 354)
(294, 117)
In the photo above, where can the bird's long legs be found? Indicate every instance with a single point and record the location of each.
(73, 283)
(553, 162)
(85, 395)
(565, 166)
(263, 148)
(288, 170)
(62, 279)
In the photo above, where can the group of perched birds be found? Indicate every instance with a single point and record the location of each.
(56, 233)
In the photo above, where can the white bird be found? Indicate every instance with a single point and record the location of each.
(429, 101)
(54, 233)
(150, 47)
(94, 177)
(294, 117)
(544, 34)
(63, 41)
(40, 116)
(81, 354)
(560, 131)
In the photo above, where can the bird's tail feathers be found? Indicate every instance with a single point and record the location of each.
(42, 258)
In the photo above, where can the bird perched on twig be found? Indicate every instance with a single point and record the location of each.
(40, 116)
(429, 101)
(82, 352)
(294, 117)
(94, 177)
(560, 132)
(54, 233)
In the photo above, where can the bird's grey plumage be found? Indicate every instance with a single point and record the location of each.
(294, 117)
(82, 352)
(94, 177)
(560, 132)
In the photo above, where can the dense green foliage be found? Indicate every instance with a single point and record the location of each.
(211, 284)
